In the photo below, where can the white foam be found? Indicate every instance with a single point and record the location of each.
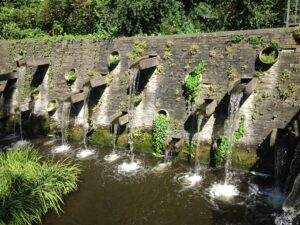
(223, 191)
(162, 167)
(190, 179)
(287, 217)
(85, 153)
(21, 144)
(129, 167)
(60, 149)
(112, 157)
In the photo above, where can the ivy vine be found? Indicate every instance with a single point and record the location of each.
(191, 84)
(223, 145)
(160, 128)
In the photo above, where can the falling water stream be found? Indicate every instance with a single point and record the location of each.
(113, 155)
(86, 152)
(227, 190)
(64, 125)
(134, 165)
(20, 98)
(233, 109)
(132, 90)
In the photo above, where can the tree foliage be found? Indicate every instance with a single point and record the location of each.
(112, 18)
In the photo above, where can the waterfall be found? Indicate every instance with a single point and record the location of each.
(115, 130)
(132, 90)
(235, 99)
(21, 93)
(280, 156)
(65, 119)
(291, 206)
(86, 115)
(197, 154)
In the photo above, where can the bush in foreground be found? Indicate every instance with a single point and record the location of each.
(30, 186)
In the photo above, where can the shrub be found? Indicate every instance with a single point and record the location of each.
(30, 187)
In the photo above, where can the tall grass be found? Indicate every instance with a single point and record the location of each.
(29, 187)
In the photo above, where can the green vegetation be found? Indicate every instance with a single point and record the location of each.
(71, 75)
(284, 86)
(297, 34)
(223, 145)
(191, 84)
(105, 19)
(138, 49)
(30, 187)
(255, 41)
(113, 58)
(268, 55)
(160, 128)
(232, 73)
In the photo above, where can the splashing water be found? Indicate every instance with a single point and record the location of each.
(114, 155)
(85, 153)
(61, 149)
(291, 206)
(20, 144)
(162, 167)
(223, 192)
(131, 167)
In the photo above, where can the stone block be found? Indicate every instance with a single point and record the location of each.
(9, 76)
(211, 107)
(98, 81)
(25, 107)
(2, 85)
(179, 143)
(123, 119)
(115, 116)
(77, 97)
(148, 63)
(250, 87)
(81, 82)
(21, 62)
(37, 62)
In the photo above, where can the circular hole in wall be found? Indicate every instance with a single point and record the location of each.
(71, 76)
(113, 60)
(163, 112)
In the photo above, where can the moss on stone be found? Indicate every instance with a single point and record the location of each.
(76, 133)
(101, 136)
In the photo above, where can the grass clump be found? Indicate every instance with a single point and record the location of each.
(160, 128)
(138, 49)
(191, 84)
(29, 187)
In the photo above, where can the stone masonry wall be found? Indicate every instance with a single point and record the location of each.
(179, 54)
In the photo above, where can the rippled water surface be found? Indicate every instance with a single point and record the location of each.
(158, 194)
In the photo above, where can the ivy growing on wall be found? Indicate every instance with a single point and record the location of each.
(160, 128)
(191, 84)
(223, 145)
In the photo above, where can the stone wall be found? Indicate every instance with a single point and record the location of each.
(178, 55)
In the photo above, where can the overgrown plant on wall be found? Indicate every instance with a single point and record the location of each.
(160, 127)
(223, 143)
(30, 187)
(192, 82)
